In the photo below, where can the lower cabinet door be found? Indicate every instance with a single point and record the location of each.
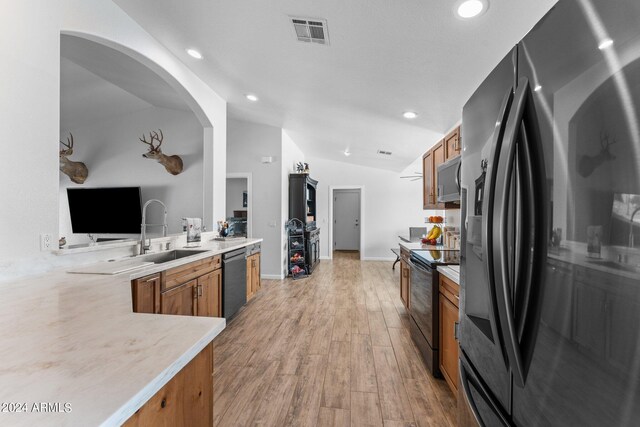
(146, 294)
(255, 273)
(186, 400)
(180, 300)
(405, 274)
(209, 293)
(448, 343)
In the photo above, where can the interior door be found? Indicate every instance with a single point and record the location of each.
(346, 220)
(583, 62)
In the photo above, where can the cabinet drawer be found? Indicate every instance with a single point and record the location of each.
(182, 274)
(450, 289)
(404, 254)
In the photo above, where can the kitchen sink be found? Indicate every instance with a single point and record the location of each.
(615, 265)
(162, 257)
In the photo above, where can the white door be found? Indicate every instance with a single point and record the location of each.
(346, 220)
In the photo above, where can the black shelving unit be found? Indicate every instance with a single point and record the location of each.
(297, 249)
(303, 206)
(302, 199)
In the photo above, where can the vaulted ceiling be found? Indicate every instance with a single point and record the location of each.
(384, 58)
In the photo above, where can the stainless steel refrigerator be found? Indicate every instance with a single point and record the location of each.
(550, 296)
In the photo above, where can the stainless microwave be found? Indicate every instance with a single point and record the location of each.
(449, 181)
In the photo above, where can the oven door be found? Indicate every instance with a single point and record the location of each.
(423, 308)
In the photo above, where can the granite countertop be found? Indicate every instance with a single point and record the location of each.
(73, 339)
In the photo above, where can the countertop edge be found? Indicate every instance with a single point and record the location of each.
(142, 397)
(449, 273)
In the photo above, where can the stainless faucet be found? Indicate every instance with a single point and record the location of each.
(631, 227)
(143, 234)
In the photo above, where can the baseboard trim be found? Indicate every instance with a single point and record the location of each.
(373, 258)
(272, 276)
(324, 257)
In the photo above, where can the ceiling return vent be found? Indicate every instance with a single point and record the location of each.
(384, 153)
(311, 30)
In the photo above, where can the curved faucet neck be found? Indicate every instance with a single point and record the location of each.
(143, 232)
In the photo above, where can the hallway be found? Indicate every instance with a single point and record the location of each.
(332, 349)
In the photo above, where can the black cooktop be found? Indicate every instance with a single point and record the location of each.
(435, 257)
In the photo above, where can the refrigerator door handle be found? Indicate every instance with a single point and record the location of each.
(469, 377)
(519, 332)
(487, 217)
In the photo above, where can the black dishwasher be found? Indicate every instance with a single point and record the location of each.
(234, 282)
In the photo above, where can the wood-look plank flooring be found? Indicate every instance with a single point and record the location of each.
(330, 350)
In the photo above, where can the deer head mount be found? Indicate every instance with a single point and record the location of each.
(173, 164)
(588, 164)
(77, 171)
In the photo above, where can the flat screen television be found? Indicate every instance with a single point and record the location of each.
(114, 210)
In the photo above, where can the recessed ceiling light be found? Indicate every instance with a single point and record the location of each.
(194, 53)
(605, 44)
(538, 88)
(251, 97)
(467, 9)
(409, 114)
(347, 152)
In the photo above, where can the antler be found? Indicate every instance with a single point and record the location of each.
(154, 136)
(604, 140)
(69, 144)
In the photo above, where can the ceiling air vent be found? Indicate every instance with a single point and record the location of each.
(384, 153)
(311, 30)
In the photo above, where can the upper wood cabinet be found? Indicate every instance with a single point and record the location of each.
(452, 143)
(446, 149)
(428, 189)
(430, 162)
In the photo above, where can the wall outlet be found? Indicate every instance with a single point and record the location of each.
(46, 242)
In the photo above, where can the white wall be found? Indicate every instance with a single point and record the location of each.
(291, 154)
(235, 188)
(113, 154)
(391, 204)
(247, 143)
(29, 111)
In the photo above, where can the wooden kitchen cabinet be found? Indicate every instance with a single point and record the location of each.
(446, 149)
(253, 275)
(452, 144)
(186, 400)
(192, 289)
(448, 305)
(405, 283)
(209, 295)
(428, 183)
(180, 300)
(145, 293)
(405, 277)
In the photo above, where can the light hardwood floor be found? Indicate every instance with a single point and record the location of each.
(330, 350)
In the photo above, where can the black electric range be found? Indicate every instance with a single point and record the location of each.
(424, 301)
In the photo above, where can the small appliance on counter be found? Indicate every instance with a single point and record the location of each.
(424, 324)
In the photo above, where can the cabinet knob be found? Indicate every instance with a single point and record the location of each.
(163, 403)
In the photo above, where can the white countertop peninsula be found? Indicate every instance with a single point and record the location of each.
(73, 339)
